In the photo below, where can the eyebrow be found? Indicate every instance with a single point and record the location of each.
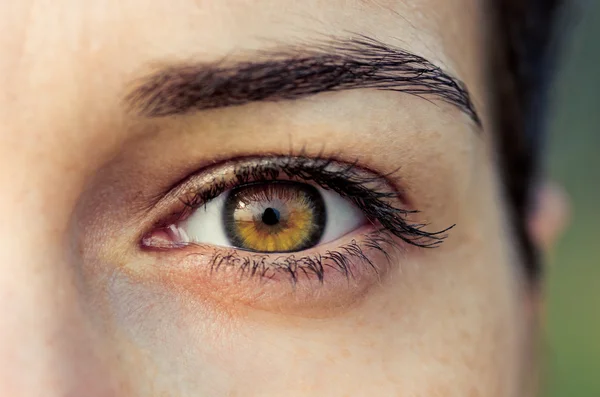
(335, 65)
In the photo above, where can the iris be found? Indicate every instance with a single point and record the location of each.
(277, 216)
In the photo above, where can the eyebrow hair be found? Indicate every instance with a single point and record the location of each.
(335, 65)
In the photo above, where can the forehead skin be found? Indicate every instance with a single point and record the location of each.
(449, 323)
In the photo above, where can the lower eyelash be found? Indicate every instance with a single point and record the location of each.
(343, 260)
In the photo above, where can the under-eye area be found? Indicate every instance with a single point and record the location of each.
(311, 282)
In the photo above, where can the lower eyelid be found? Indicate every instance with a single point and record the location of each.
(227, 277)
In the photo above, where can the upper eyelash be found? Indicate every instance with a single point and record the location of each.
(366, 192)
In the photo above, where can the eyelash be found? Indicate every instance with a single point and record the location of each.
(367, 192)
(308, 265)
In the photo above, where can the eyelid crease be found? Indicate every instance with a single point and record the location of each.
(273, 168)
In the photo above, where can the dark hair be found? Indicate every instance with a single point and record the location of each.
(522, 71)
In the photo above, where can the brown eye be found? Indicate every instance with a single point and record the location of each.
(268, 217)
(278, 216)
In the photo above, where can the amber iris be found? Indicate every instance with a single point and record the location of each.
(278, 216)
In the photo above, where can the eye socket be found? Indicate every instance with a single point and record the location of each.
(274, 216)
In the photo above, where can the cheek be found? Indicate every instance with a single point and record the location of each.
(169, 343)
(443, 323)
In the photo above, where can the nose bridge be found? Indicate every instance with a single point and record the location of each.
(45, 338)
(48, 346)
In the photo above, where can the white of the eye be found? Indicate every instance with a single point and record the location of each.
(342, 216)
(206, 226)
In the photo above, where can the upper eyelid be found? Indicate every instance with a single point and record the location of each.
(349, 170)
(204, 178)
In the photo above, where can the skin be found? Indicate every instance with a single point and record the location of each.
(85, 312)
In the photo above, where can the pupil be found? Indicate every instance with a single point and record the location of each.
(270, 217)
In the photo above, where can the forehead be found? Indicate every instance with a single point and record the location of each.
(139, 30)
(73, 57)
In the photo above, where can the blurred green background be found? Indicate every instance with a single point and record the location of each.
(572, 336)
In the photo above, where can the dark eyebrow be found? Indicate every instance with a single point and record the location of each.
(335, 65)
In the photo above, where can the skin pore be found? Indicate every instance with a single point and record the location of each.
(87, 310)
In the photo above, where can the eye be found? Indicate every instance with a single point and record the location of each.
(248, 229)
(285, 204)
(275, 216)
